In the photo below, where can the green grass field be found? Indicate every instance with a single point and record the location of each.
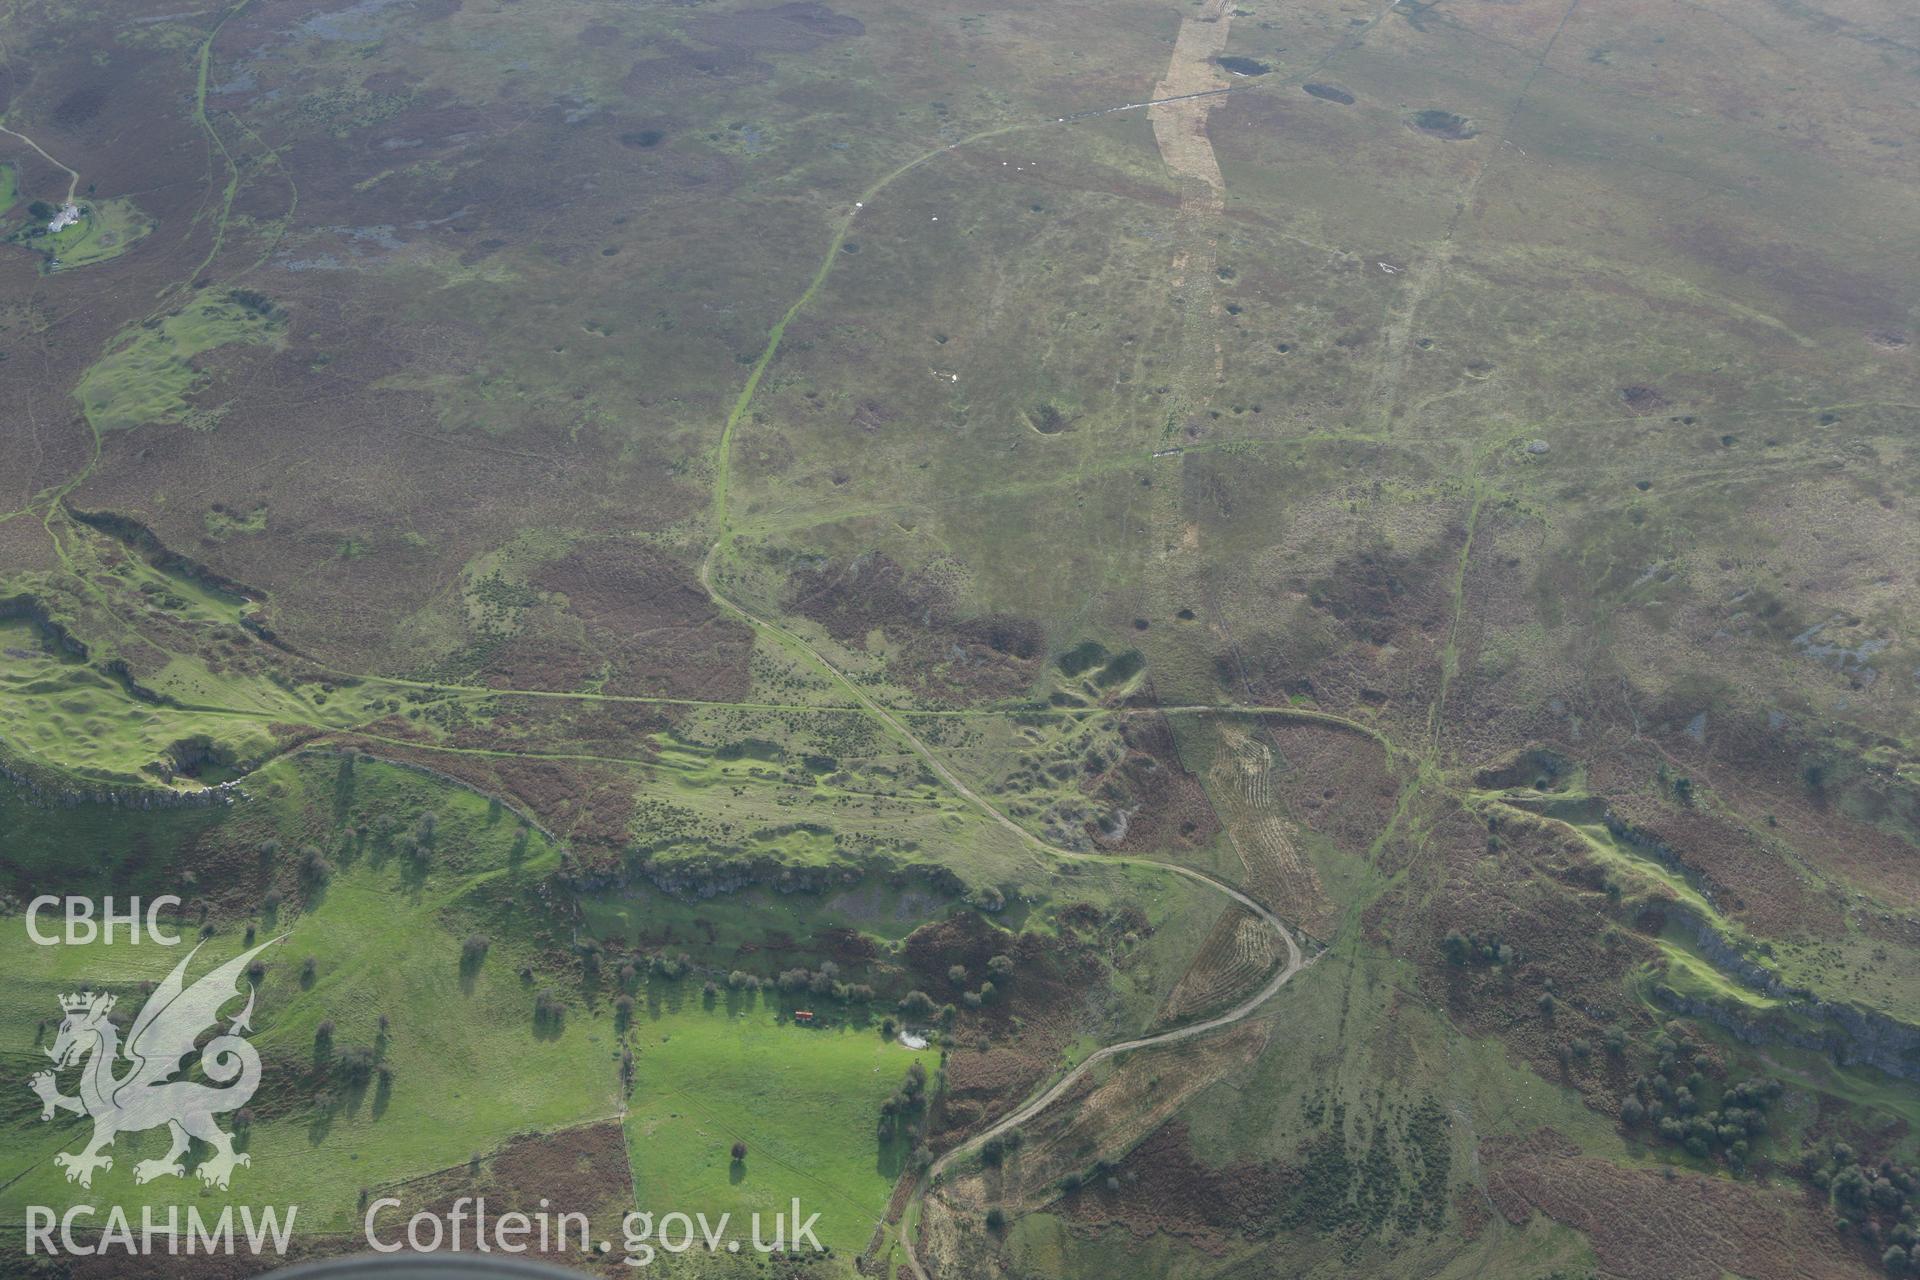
(149, 375)
(805, 1100)
(383, 941)
(106, 229)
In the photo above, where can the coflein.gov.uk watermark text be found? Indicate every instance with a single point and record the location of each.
(466, 1225)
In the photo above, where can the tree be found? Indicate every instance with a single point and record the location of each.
(996, 1220)
(314, 867)
(1896, 1261)
(1632, 1112)
(1000, 967)
(916, 1003)
(957, 975)
(739, 1152)
(355, 1065)
(1456, 947)
(474, 948)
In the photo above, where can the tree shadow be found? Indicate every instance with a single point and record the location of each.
(343, 790)
(471, 958)
(892, 1148)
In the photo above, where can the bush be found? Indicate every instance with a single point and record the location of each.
(474, 948)
(957, 975)
(355, 1065)
(314, 867)
(1000, 967)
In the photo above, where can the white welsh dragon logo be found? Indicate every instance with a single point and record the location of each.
(148, 1095)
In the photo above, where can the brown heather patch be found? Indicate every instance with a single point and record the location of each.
(945, 656)
(1164, 1187)
(1166, 806)
(645, 617)
(1645, 1226)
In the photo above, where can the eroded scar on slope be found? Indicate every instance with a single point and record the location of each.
(1180, 132)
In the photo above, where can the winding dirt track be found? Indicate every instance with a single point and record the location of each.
(1179, 106)
(1033, 1106)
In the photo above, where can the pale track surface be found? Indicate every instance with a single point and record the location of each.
(1182, 102)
